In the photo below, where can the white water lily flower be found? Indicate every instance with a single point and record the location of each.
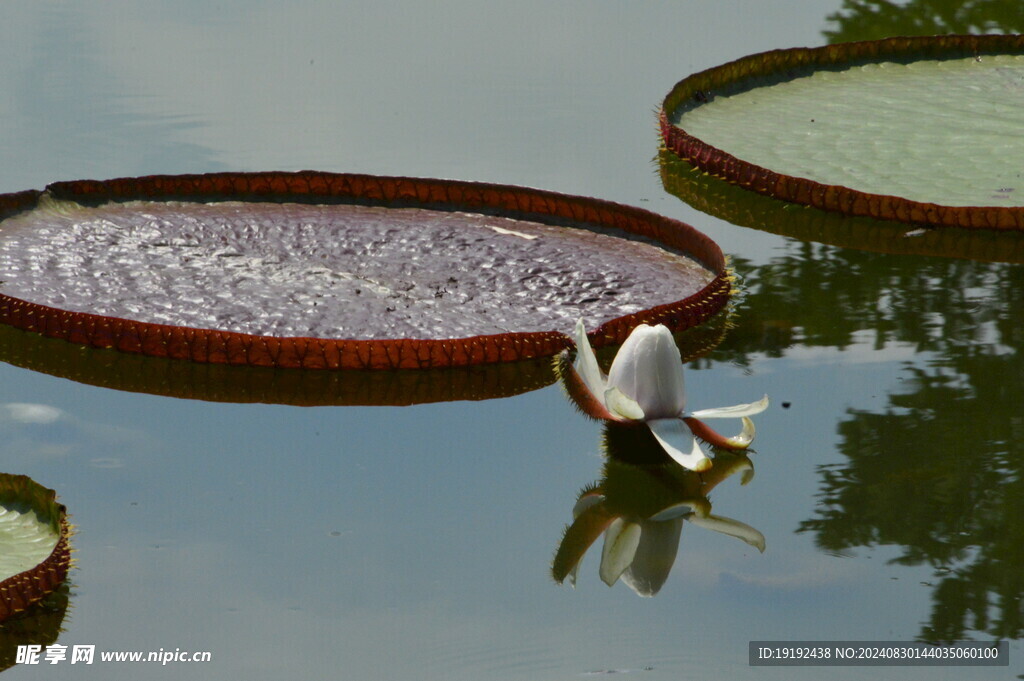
(645, 383)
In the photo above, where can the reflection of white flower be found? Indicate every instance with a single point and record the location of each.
(645, 383)
(642, 551)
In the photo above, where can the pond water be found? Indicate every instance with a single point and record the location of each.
(416, 542)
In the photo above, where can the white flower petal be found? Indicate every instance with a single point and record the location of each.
(649, 369)
(734, 411)
(622, 405)
(733, 528)
(678, 441)
(586, 363)
(620, 542)
(654, 557)
(746, 436)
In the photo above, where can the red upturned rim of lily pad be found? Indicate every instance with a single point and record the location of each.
(312, 187)
(19, 592)
(701, 86)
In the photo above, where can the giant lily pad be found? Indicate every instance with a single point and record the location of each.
(34, 550)
(315, 270)
(919, 130)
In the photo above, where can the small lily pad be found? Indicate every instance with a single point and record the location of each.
(919, 130)
(34, 549)
(317, 270)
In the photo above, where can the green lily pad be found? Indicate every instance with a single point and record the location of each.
(34, 551)
(920, 130)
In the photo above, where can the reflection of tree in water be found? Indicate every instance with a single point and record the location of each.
(941, 471)
(945, 484)
(939, 305)
(874, 19)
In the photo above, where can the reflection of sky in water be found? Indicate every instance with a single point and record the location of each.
(431, 528)
(415, 542)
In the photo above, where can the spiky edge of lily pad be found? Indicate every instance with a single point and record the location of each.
(701, 86)
(21, 591)
(224, 347)
(735, 204)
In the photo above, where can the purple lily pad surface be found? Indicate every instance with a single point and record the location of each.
(343, 271)
(333, 271)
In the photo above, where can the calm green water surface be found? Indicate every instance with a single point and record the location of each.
(415, 542)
